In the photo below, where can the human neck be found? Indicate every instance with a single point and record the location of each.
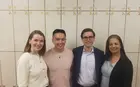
(116, 55)
(34, 52)
(58, 50)
(88, 49)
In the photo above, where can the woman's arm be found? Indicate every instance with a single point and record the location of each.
(23, 71)
(128, 74)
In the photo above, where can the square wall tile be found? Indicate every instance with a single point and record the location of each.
(132, 32)
(6, 5)
(134, 59)
(85, 4)
(101, 4)
(20, 4)
(21, 30)
(133, 5)
(100, 24)
(138, 73)
(36, 4)
(37, 20)
(69, 4)
(6, 39)
(52, 23)
(7, 61)
(52, 4)
(69, 25)
(118, 5)
(83, 18)
(117, 24)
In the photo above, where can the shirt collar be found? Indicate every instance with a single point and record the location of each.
(92, 51)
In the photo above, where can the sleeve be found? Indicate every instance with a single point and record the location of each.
(128, 74)
(23, 70)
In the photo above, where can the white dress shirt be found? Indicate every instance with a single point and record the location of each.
(31, 71)
(87, 75)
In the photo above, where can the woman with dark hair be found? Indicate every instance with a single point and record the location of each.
(117, 70)
(31, 67)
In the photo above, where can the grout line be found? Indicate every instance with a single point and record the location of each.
(125, 23)
(137, 63)
(1, 74)
(44, 18)
(15, 84)
(109, 18)
(93, 17)
(78, 10)
(60, 13)
(77, 25)
(29, 18)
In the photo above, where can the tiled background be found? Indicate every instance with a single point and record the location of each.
(19, 17)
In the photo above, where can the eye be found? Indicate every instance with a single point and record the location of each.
(35, 40)
(41, 40)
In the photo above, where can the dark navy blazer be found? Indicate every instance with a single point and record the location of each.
(99, 59)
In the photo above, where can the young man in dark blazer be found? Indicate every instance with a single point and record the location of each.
(87, 62)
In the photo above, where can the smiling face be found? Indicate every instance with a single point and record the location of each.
(114, 45)
(88, 39)
(59, 40)
(37, 42)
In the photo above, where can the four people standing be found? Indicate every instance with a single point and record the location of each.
(86, 66)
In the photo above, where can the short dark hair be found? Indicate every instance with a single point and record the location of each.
(28, 46)
(59, 31)
(107, 51)
(87, 30)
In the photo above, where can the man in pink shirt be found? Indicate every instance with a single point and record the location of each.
(59, 60)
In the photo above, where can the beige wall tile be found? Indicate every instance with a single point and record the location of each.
(52, 4)
(36, 4)
(21, 30)
(118, 4)
(69, 4)
(104, 6)
(69, 25)
(101, 21)
(20, 4)
(6, 34)
(134, 59)
(84, 21)
(132, 32)
(37, 21)
(8, 69)
(117, 24)
(52, 22)
(5, 5)
(85, 4)
(133, 4)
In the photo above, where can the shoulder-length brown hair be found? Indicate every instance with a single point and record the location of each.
(28, 46)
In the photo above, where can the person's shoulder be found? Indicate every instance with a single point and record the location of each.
(47, 53)
(127, 61)
(25, 57)
(78, 48)
(68, 49)
(98, 50)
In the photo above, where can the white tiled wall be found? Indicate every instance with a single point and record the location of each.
(20, 17)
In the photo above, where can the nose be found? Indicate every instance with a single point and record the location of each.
(60, 41)
(38, 42)
(113, 45)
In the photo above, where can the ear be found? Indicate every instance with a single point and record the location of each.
(52, 39)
